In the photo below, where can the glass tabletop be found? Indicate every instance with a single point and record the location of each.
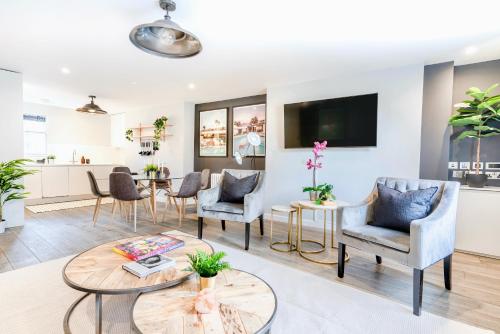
(144, 177)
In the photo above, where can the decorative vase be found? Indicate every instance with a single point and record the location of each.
(313, 196)
(207, 282)
(476, 180)
(2, 226)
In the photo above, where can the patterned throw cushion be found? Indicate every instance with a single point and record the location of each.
(396, 210)
(234, 189)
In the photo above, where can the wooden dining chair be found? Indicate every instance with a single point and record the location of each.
(94, 187)
(190, 186)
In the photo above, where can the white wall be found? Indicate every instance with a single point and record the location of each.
(176, 152)
(352, 171)
(11, 133)
(68, 130)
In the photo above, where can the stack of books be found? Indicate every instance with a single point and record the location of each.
(147, 254)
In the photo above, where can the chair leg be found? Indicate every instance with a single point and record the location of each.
(223, 223)
(135, 216)
(247, 235)
(96, 209)
(113, 209)
(261, 222)
(379, 259)
(98, 204)
(418, 286)
(150, 210)
(447, 271)
(200, 227)
(341, 260)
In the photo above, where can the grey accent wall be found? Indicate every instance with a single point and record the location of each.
(436, 109)
(216, 164)
(480, 75)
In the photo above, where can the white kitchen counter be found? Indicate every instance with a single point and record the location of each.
(67, 165)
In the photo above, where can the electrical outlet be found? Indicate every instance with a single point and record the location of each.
(465, 165)
(453, 165)
(458, 174)
(491, 175)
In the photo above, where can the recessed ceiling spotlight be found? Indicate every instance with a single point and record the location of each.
(191, 86)
(470, 50)
(65, 70)
(133, 83)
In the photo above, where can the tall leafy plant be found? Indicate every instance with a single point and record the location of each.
(10, 188)
(159, 125)
(478, 117)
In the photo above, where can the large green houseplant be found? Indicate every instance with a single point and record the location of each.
(10, 188)
(478, 117)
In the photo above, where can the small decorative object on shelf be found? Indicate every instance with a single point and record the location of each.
(129, 135)
(205, 301)
(51, 158)
(207, 267)
(477, 118)
(315, 164)
(87, 161)
(151, 170)
(82, 160)
(10, 188)
(324, 192)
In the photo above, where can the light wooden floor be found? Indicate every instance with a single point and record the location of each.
(475, 298)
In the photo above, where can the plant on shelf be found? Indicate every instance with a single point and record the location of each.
(50, 158)
(11, 173)
(129, 135)
(159, 126)
(207, 266)
(477, 118)
(315, 164)
(324, 192)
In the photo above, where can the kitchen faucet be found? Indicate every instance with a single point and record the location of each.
(74, 157)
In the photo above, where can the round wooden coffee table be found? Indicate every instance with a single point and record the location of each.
(99, 271)
(247, 305)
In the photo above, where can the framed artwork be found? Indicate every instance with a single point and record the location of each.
(248, 119)
(213, 133)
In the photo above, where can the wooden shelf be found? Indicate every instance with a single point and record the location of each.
(145, 132)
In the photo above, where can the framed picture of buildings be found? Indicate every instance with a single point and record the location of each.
(213, 133)
(248, 119)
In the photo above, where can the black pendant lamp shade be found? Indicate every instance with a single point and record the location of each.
(91, 108)
(164, 37)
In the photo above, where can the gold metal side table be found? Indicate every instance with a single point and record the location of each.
(310, 205)
(291, 246)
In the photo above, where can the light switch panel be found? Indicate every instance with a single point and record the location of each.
(465, 165)
(481, 165)
(453, 165)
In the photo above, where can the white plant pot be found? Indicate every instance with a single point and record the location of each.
(3, 224)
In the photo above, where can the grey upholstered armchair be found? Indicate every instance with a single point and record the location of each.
(252, 208)
(430, 240)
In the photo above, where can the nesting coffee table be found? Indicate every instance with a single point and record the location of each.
(246, 305)
(99, 271)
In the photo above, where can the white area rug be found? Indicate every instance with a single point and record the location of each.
(35, 299)
(65, 205)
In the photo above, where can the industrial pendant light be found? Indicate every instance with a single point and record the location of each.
(164, 37)
(91, 108)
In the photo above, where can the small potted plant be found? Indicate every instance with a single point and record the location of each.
(51, 158)
(11, 173)
(315, 164)
(151, 170)
(207, 266)
(477, 118)
(129, 135)
(324, 192)
(159, 126)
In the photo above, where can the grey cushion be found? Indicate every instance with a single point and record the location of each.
(396, 210)
(382, 236)
(234, 189)
(225, 207)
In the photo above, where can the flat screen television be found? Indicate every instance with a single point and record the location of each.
(343, 122)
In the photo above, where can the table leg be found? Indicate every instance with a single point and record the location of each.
(333, 224)
(98, 313)
(153, 200)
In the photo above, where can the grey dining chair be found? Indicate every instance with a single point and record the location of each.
(125, 169)
(94, 187)
(431, 239)
(165, 185)
(190, 186)
(123, 189)
(205, 179)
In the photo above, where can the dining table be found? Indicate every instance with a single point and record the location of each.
(153, 179)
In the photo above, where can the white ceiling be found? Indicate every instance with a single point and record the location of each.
(248, 45)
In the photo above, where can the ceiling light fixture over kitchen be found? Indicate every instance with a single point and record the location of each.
(91, 108)
(164, 37)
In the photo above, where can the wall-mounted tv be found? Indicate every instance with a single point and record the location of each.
(343, 122)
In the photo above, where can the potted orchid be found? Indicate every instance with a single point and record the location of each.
(315, 164)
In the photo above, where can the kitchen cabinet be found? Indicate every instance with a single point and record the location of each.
(55, 181)
(33, 184)
(78, 182)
